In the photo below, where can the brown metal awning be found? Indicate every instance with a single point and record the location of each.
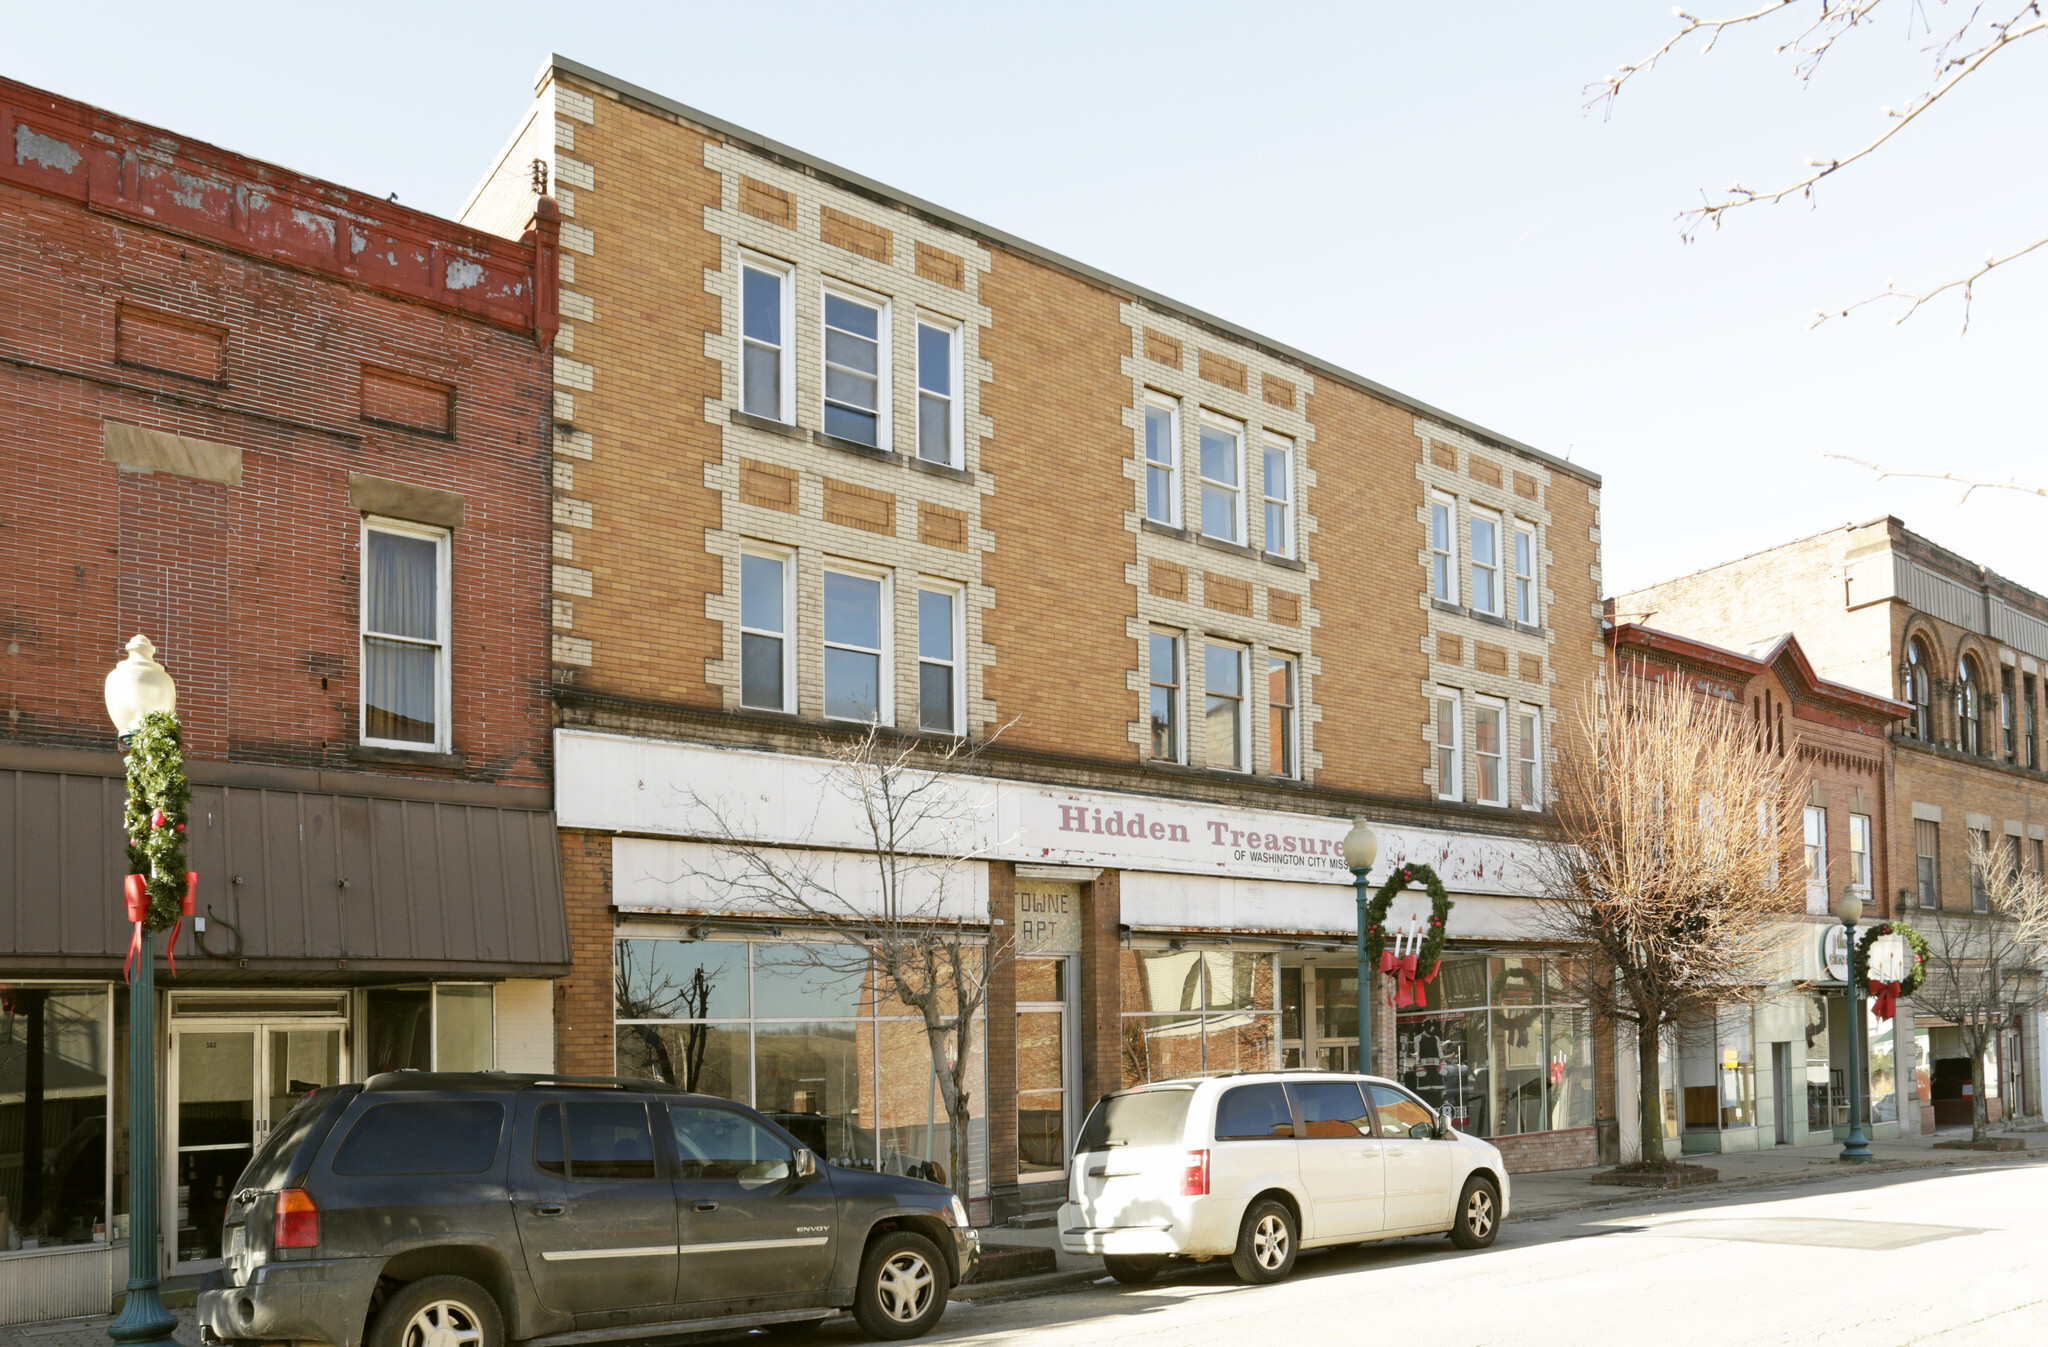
(343, 885)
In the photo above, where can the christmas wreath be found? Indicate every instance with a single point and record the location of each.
(1415, 970)
(1885, 995)
(1517, 980)
(159, 888)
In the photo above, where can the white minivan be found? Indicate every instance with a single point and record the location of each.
(1255, 1167)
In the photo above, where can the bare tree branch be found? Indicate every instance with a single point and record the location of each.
(1967, 283)
(1969, 484)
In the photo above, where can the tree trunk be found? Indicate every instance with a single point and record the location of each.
(1978, 1109)
(1648, 1094)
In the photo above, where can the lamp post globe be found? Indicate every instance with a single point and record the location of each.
(137, 686)
(1855, 1146)
(1361, 849)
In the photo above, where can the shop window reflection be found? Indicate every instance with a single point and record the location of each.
(1187, 1011)
(1493, 1050)
(53, 1116)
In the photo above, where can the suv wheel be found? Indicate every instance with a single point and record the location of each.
(439, 1312)
(903, 1287)
(1266, 1243)
(1134, 1269)
(1477, 1219)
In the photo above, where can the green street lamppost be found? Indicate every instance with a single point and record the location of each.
(1856, 1147)
(1361, 849)
(137, 686)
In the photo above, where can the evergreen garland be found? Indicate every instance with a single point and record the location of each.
(159, 799)
(1439, 916)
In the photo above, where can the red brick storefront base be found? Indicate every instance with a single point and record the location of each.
(1537, 1151)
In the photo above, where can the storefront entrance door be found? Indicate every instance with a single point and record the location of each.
(228, 1083)
(1044, 1077)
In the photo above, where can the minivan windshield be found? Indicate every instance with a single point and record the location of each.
(1137, 1118)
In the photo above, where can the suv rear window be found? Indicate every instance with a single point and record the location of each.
(268, 1167)
(1140, 1118)
(1253, 1113)
(426, 1136)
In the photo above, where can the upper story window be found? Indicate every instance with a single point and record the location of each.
(1162, 462)
(1450, 756)
(1283, 733)
(405, 635)
(1443, 548)
(1485, 562)
(854, 370)
(767, 655)
(1278, 484)
(938, 660)
(1919, 690)
(1524, 572)
(1859, 854)
(1223, 677)
(1222, 481)
(1490, 750)
(765, 386)
(1816, 860)
(2008, 721)
(2030, 727)
(938, 435)
(1927, 861)
(1981, 857)
(1164, 673)
(1969, 706)
(1529, 745)
(856, 658)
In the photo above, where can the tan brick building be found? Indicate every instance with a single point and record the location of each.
(826, 453)
(1880, 608)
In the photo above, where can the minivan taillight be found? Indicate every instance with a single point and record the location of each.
(298, 1220)
(1194, 1180)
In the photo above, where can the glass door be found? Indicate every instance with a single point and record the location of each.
(1044, 1074)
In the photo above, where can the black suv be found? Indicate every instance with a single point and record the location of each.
(430, 1210)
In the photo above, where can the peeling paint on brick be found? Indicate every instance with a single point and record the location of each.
(462, 275)
(30, 148)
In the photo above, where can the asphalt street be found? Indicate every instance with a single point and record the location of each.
(1955, 1257)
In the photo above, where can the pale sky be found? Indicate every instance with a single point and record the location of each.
(1411, 191)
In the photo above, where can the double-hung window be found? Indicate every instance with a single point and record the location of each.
(938, 660)
(855, 370)
(1223, 679)
(2030, 738)
(1278, 484)
(856, 654)
(1450, 753)
(767, 655)
(1524, 564)
(764, 339)
(1485, 562)
(405, 636)
(1981, 858)
(1817, 860)
(2008, 722)
(1222, 481)
(1162, 462)
(1164, 672)
(1283, 732)
(1443, 548)
(1927, 861)
(1487, 718)
(1529, 751)
(938, 436)
(1859, 855)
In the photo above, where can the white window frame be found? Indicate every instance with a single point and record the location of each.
(1529, 750)
(1474, 518)
(958, 664)
(1527, 604)
(1498, 708)
(787, 559)
(444, 541)
(1178, 682)
(1284, 446)
(1236, 431)
(955, 414)
(1239, 654)
(1814, 835)
(885, 674)
(1291, 722)
(1443, 549)
(1171, 406)
(1860, 836)
(1452, 788)
(884, 341)
(786, 381)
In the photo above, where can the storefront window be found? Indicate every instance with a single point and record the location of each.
(1569, 1035)
(1493, 1050)
(1192, 1010)
(1884, 1073)
(398, 1027)
(463, 1026)
(53, 1116)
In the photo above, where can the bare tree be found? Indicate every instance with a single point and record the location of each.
(1983, 968)
(1986, 31)
(1675, 865)
(896, 916)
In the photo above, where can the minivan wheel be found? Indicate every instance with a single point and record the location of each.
(1266, 1243)
(438, 1312)
(903, 1287)
(1477, 1219)
(1134, 1269)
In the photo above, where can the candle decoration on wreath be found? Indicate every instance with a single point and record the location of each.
(1412, 952)
(1890, 978)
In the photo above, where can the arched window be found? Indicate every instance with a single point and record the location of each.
(1919, 691)
(1969, 706)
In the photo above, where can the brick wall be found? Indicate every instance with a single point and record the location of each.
(584, 999)
(1575, 1149)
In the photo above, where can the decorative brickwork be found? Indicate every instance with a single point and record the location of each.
(859, 507)
(1441, 455)
(768, 485)
(1166, 580)
(855, 234)
(1276, 390)
(1485, 471)
(1525, 486)
(1530, 667)
(1163, 349)
(1226, 595)
(1491, 659)
(936, 264)
(938, 526)
(1221, 369)
(1449, 648)
(1283, 607)
(766, 202)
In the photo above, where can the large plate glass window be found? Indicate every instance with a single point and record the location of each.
(1187, 1011)
(1162, 461)
(764, 327)
(854, 370)
(938, 660)
(1164, 673)
(405, 634)
(937, 377)
(1499, 1048)
(855, 673)
(1278, 484)
(1222, 481)
(1223, 676)
(766, 665)
(54, 1052)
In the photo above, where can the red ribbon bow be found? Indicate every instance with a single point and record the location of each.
(1408, 986)
(135, 892)
(1887, 999)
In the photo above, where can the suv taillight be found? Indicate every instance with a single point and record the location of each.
(298, 1220)
(1194, 1180)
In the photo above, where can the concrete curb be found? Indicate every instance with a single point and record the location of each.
(1013, 1288)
